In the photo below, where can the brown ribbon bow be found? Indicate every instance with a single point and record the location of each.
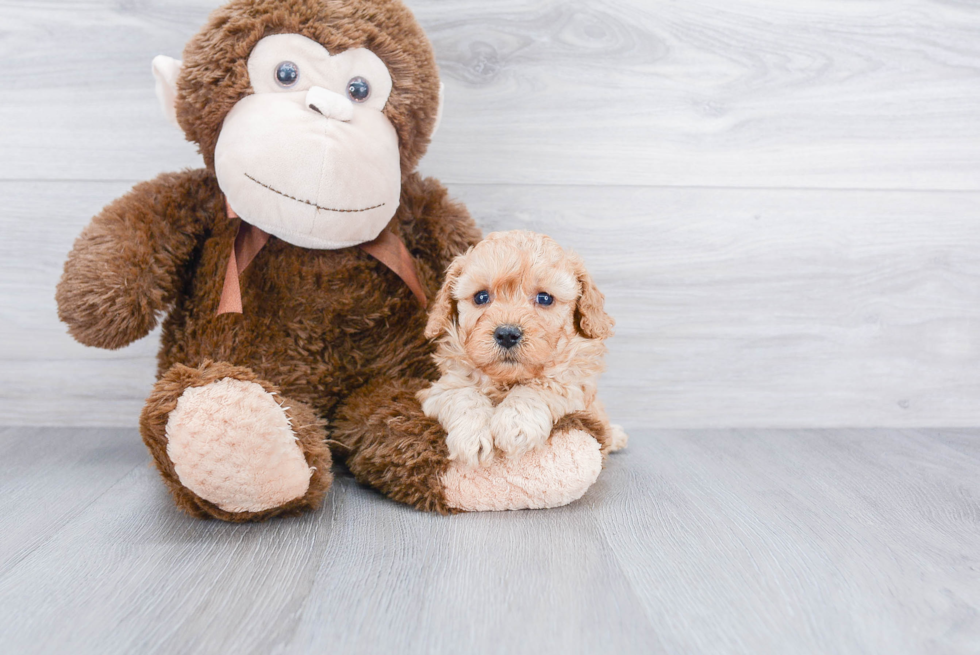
(388, 249)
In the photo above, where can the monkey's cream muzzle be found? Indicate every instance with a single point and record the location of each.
(330, 104)
(305, 162)
(308, 157)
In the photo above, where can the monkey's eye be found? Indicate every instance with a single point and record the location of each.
(287, 74)
(544, 298)
(358, 89)
(481, 297)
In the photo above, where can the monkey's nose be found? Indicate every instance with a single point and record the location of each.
(508, 336)
(329, 104)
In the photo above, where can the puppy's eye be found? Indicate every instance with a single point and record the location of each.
(287, 74)
(481, 297)
(544, 298)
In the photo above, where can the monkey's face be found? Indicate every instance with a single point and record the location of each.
(308, 112)
(309, 156)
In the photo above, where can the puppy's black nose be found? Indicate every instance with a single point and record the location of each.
(508, 336)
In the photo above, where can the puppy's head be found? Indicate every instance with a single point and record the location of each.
(514, 303)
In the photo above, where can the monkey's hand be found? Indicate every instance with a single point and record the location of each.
(521, 422)
(127, 265)
(465, 414)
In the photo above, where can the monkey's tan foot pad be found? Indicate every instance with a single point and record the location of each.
(555, 475)
(232, 444)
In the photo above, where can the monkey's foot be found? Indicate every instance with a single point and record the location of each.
(233, 445)
(229, 447)
(556, 474)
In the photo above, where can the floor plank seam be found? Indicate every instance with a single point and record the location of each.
(630, 582)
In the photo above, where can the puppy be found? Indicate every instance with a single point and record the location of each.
(521, 327)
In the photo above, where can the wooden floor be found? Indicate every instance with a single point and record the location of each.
(756, 541)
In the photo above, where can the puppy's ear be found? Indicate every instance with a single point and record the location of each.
(443, 310)
(591, 318)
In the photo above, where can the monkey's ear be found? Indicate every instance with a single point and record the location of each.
(166, 70)
(442, 102)
(590, 315)
(443, 310)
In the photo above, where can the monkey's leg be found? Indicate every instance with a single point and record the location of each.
(229, 447)
(554, 475)
(389, 444)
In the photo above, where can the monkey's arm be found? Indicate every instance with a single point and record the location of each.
(127, 265)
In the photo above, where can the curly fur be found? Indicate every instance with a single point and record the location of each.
(490, 398)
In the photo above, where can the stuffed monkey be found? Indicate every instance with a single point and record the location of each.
(290, 273)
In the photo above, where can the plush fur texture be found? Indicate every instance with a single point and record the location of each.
(386, 441)
(538, 479)
(132, 261)
(306, 426)
(493, 399)
(231, 442)
(319, 326)
(542, 478)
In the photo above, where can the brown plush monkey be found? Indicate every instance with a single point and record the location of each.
(284, 327)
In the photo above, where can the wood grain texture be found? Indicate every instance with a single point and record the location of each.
(766, 542)
(47, 478)
(872, 94)
(603, 124)
(734, 307)
(797, 308)
(801, 542)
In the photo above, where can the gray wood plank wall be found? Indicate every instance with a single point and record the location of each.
(780, 200)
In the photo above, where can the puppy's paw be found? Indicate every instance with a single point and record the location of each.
(470, 445)
(617, 438)
(518, 427)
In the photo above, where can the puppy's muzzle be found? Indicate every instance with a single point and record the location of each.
(508, 336)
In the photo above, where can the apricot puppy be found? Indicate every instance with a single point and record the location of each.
(521, 327)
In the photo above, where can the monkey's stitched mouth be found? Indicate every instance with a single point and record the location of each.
(312, 204)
